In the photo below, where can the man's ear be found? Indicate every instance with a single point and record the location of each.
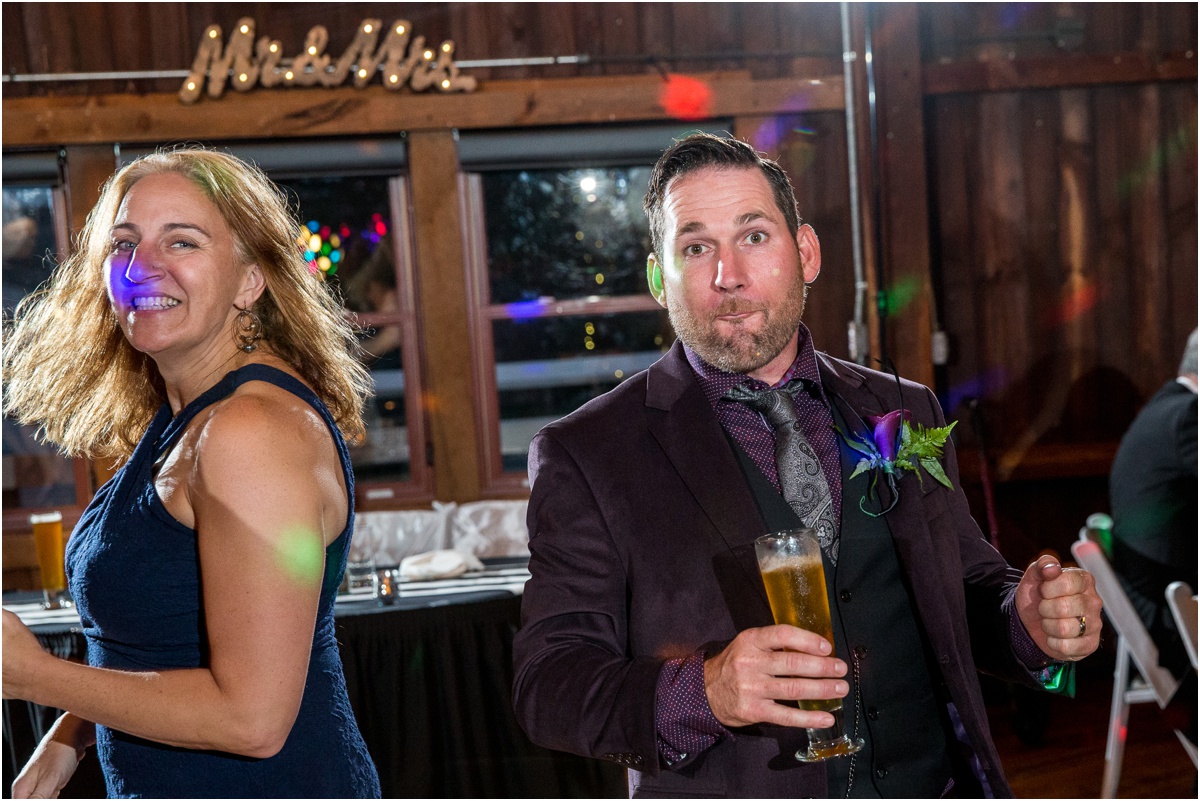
(810, 253)
(654, 278)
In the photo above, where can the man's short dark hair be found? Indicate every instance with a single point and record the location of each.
(700, 150)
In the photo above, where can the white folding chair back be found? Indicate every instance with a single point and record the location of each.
(1183, 608)
(1133, 646)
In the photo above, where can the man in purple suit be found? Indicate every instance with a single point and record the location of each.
(647, 638)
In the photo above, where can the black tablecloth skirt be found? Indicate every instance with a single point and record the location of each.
(432, 691)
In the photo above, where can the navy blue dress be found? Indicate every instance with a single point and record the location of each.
(135, 575)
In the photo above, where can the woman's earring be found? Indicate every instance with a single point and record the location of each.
(249, 330)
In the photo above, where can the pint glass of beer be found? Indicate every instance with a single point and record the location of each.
(790, 563)
(48, 539)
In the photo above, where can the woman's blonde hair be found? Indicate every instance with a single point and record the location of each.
(69, 369)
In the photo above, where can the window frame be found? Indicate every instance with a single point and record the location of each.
(494, 480)
(33, 169)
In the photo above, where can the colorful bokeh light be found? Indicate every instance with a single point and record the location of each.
(686, 98)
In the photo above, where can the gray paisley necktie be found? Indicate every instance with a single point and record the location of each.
(801, 478)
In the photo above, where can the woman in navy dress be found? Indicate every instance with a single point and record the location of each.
(188, 338)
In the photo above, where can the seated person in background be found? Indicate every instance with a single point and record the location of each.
(373, 289)
(1152, 488)
(201, 352)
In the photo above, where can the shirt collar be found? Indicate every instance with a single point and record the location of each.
(715, 382)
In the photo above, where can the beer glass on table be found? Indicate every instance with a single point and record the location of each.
(49, 541)
(790, 563)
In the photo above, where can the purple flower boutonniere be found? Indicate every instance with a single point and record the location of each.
(895, 445)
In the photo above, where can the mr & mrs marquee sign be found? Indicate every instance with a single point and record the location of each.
(405, 61)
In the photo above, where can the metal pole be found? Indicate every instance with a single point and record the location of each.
(857, 333)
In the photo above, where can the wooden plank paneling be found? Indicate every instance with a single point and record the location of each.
(955, 180)
(554, 35)
(1006, 75)
(441, 277)
(618, 33)
(1178, 159)
(902, 181)
(1148, 244)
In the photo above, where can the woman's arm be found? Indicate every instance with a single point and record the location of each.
(58, 754)
(266, 490)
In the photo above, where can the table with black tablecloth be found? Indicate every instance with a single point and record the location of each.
(430, 680)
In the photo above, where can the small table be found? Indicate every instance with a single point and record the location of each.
(430, 680)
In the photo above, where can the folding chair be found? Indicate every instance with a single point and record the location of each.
(1183, 608)
(1133, 645)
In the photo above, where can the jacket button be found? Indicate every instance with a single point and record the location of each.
(945, 659)
(847, 596)
(872, 713)
(881, 773)
(860, 651)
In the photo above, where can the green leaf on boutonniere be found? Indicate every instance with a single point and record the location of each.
(934, 468)
(863, 466)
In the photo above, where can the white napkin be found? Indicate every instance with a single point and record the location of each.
(438, 565)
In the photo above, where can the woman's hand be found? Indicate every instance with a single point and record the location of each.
(55, 760)
(22, 652)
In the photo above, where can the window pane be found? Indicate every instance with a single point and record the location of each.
(349, 221)
(566, 233)
(34, 474)
(384, 453)
(547, 367)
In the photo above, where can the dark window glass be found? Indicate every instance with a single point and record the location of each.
(560, 236)
(566, 233)
(35, 475)
(550, 366)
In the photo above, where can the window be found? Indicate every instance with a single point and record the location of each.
(35, 475)
(557, 244)
(353, 200)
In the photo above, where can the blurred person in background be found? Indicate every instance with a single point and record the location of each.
(1152, 488)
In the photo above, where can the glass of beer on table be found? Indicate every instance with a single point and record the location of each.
(49, 541)
(790, 563)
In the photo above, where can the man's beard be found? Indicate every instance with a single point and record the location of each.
(740, 351)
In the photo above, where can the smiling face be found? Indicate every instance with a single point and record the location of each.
(173, 273)
(733, 278)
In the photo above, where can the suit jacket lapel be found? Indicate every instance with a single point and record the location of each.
(685, 426)
(907, 521)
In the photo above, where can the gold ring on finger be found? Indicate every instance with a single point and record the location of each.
(1082, 626)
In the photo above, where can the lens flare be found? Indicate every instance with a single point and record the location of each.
(686, 98)
(301, 554)
(894, 299)
(1074, 305)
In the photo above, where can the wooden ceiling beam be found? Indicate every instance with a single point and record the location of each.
(285, 113)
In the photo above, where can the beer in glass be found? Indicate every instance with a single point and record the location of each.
(790, 563)
(49, 542)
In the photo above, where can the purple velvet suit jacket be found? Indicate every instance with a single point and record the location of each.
(641, 540)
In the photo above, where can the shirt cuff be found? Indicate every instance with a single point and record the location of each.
(1032, 657)
(684, 722)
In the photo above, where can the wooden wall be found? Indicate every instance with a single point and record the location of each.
(624, 38)
(1033, 184)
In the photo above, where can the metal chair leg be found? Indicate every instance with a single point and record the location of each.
(1118, 719)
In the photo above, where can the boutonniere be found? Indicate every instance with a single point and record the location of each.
(895, 445)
